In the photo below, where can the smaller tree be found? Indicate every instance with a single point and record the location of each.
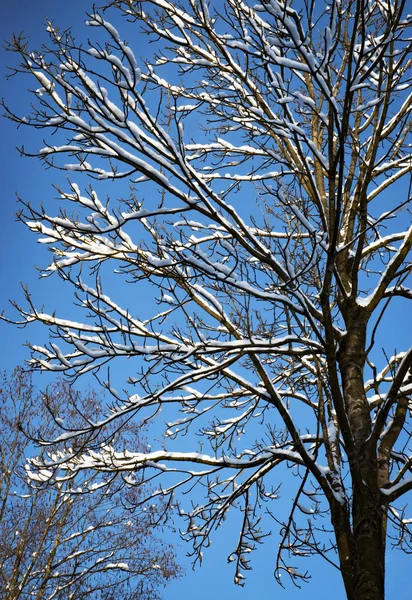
(58, 545)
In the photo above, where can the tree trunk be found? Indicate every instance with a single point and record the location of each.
(369, 548)
(368, 515)
(361, 547)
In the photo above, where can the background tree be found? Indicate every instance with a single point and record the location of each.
(267, 149)
(60, 545)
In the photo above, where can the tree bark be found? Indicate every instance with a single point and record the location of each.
(368, 515)
(369, 549)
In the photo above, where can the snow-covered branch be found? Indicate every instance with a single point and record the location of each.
(254, 263)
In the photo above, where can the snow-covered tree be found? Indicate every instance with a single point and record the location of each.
(267, 149)
(65, 546)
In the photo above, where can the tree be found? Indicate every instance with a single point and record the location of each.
(61, 545)
(267, 151)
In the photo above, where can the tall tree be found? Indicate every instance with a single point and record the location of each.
(60, 545)
(268, 152)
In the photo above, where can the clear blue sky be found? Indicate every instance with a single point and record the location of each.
(19, 254)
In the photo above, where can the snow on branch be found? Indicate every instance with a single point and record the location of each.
(245, 166)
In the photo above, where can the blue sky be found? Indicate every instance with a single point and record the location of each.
(19, 255)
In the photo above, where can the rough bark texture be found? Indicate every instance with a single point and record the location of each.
(368, 516)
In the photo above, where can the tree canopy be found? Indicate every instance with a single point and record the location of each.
(57, 543)
(267, 224)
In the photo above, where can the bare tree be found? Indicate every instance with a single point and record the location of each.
(268, 153)
(60, 545)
